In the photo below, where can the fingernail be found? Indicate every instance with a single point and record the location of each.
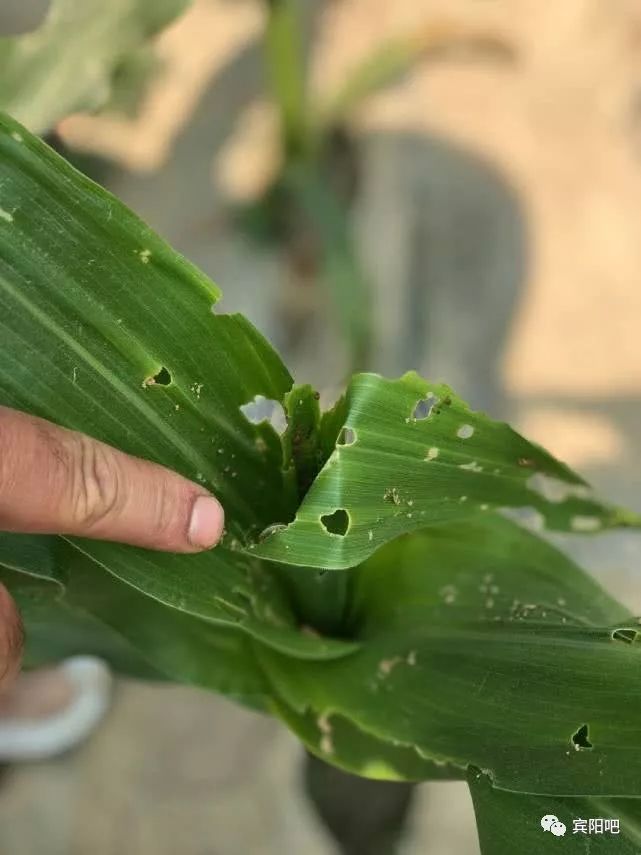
(206, 523)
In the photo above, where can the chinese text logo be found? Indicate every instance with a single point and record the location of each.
(596, 825)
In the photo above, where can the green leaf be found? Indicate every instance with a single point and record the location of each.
(509, 822)
(470, 642)
(302, 448)
(131, 79)
(394, 58)
(286, 71)
(33, 555)
(129, 350)
(488, 648)
(54, 630)
(359, 752)
(413, 454)
(136, 634)
(95, 306)
(70, 62)
(222, 587)
(341, 271)
(184, 648)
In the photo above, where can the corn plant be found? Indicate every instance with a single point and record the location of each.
(305, 210)
(82, 57)
(371, 590)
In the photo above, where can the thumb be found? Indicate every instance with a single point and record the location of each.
(10, 639)
(58, 481)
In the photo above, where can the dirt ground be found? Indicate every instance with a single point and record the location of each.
(175, 770)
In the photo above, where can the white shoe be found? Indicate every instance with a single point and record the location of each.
(50, 710)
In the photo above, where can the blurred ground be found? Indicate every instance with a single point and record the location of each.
(175, 770)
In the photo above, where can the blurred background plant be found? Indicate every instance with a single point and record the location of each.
(362, 195)
(305, 209)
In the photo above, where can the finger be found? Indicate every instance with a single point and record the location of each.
(10, 639)
(54, 480)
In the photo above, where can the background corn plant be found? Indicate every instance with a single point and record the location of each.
(370, 590)
(305, 210)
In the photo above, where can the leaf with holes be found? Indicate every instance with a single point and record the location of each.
(108, 331)
(480, 644)
(410, 454)
(40, 80)
(457, 640)
(359, 752)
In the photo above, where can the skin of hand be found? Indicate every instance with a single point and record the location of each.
(57, 481)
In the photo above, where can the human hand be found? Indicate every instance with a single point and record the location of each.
(58, 481)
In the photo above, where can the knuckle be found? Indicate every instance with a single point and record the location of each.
(95, 483)
(167, 514)
(163, 517)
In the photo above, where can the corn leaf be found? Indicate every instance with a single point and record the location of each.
(411, 454)
(106, 330)
(509, 822)
(360, 753)
(482, 645)
(463, 641)
(391, 60)
(71, 61)
(95, 613)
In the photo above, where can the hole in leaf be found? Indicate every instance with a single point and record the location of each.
(347, 436)
(163, 378)
(580, 738)
(553, 489)
(336, 523)
(627, 636)
(585, 523)
(528, 517)
(465, 432)
(424, 407)
(271, 529)
(262, 409)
